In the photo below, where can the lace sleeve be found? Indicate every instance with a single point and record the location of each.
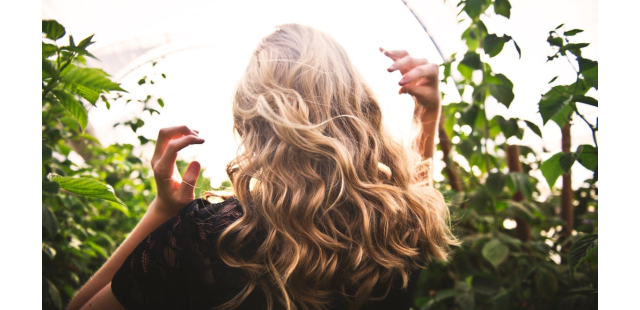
(150, 277)
(179, 260)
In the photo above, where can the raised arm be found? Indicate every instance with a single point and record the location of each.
(420, 80)
(174, 193)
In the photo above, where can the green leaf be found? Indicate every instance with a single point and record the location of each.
(586, 100)
(580, 249)
(591, 76)
(52, 29)
(520, 182)
(509, 127)
(563, 116)
(555, 41)
(502, 93)
(551, 169)
(470, 115)
(73, 106)
(87, 187)
(46, 152)
(86, 42)
(493, 45)
(546, 282)
(567, 159)
(91, 78)
(586, 64)
(495, 252)
(572, 32)
(553, 79)
(48, 50)
(501, 301)
(559, 26)
(472, 60)
(142, 81)
(589, 157)
(473, 8)
(574, 48)
(466, 148)
(553, 102)
(517, 49)
(502, 7)
(90, 94)
(161, 102)
(49, 69)
(534, 128)
(49, 222)
(164, 76)
(495, 183)
(78, 50)
(98, 249)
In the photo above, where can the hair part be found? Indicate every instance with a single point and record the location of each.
(332, 193)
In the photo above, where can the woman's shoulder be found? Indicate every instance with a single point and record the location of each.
(212, 215)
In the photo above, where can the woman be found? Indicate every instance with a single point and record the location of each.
(329, 211)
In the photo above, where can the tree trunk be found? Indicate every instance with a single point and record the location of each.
(450, 166)
(567, 192)
(523, 232)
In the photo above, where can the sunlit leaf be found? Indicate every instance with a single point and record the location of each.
(589, 157)
(493, 44)
(73, 106)
(52, 29)
(86, 187)
(551, 169)
(502, 7)
(534, 128)
(91, 78)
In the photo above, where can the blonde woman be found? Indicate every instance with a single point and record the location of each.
(329, 212)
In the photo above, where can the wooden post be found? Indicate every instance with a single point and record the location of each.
(450, 166)
(567, 192)
(523, 232)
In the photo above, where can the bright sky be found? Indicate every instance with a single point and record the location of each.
(211, 41)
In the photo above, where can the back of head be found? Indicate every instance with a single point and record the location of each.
(318, 176)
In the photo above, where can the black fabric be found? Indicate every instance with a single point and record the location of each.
(177, 266)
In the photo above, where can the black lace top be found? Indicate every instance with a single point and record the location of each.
(177, 266)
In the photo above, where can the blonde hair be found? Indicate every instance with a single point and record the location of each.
(332, 194)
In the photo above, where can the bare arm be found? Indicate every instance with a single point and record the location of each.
(173, 194)
(420, 80)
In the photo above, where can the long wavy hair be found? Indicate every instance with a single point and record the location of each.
(336, 201)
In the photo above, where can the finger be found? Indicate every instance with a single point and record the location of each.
(167, 162)
(189, 180)
(428, 71)
(394, 54)
(406, 63)
(167, 134)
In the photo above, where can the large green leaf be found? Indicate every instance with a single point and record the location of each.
(503, 92)
(73, 106)
(567, 159)
(553, 105)
(493, 44)
(48, 50)
(472, 60)
(87, 187)
(509, 127)
(473, 8)
(52, 29)
(551, 169)
(520, 182)
(572, 32)
(90, 94)
(495, 252)
(502, 7)
(91, 78)
(580, 249)
(589, 157)
(50, 295)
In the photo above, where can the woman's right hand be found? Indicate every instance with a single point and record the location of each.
(174, 192)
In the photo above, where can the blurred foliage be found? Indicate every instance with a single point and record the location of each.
(92, 195)
(533, 266)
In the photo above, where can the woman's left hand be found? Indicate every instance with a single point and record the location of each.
(174, 192)
(419, 77)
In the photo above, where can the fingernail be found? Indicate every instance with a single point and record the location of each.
(402, 81)
(393, 67)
